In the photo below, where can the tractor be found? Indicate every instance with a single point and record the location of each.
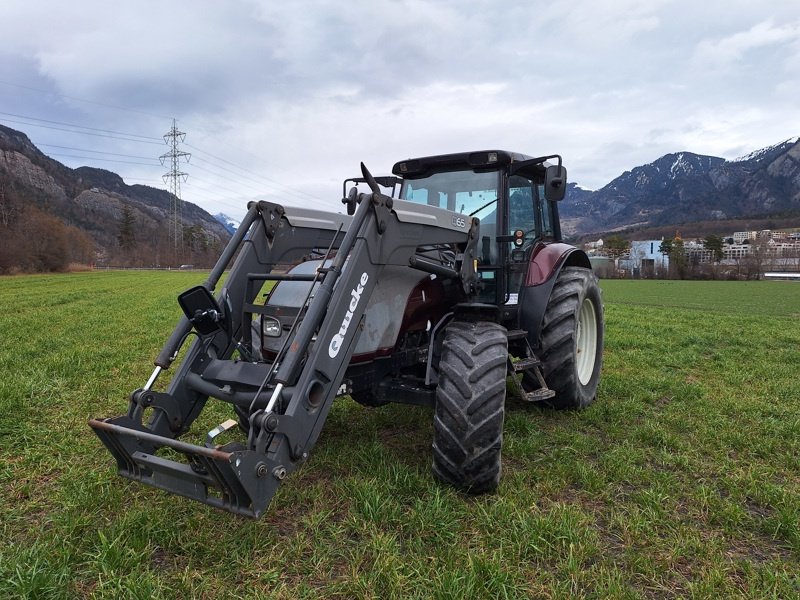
(444, 285)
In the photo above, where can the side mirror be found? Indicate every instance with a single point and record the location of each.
(202, 310)
(555, 182)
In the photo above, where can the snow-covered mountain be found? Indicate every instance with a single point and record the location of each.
(766, 153)
(685, 187)
(231, 225)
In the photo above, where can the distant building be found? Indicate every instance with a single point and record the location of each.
(594, 245)
(787, 249)
(644, 259)
(741, 236)
(735, 251)
(697, 254)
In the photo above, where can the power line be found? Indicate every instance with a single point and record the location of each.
(112, 160)
(104, 156)
(142, 141)
(237, 201)
(145, 179)
(94, 151)
(238, 183)
(272, 182)
(79, 126)
(260, 181)
(228, 203)
(260, 190)
(213, 188)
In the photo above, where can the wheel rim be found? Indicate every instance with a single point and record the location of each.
(586, 341)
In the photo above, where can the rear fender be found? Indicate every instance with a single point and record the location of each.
(546, 263)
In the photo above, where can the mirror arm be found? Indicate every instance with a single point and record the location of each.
(518, 166)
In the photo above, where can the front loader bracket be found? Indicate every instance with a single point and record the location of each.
(141, 400)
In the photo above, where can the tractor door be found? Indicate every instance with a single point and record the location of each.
(536, 217)
(476, 194)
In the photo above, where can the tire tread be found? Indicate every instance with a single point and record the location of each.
(470, 405)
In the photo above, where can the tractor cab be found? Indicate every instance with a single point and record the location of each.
(513, 196)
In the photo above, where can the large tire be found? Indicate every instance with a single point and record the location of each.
(572, 339)
(470, 404)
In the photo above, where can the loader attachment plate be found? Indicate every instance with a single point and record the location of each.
(234, 481)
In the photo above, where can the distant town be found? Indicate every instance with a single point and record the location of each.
(764, 254)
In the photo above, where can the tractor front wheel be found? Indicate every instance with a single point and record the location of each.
(470, 405)
(572, 339)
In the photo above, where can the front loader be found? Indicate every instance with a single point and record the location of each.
(439, 297)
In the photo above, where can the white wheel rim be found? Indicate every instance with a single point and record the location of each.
(586, 341)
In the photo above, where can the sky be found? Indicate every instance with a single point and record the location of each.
(282, 100)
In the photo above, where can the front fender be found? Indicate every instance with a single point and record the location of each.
(546, 263)
(548, 259)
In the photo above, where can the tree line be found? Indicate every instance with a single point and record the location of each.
(33, 239)
(36, 241)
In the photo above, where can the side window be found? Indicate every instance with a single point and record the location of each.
(520, 206)
(545, 215)
(528, 210)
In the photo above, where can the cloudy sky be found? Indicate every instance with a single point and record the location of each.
(281, 100)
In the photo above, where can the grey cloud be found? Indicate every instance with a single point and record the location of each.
(276, 86)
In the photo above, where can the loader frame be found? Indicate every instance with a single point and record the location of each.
(284, 403)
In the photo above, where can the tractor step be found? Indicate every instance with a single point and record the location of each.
(531, 364)
(538, 395)
(526, 363)
(516, 334)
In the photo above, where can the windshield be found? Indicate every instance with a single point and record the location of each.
(466, 192)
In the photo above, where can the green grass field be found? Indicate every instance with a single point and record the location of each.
(682, 480)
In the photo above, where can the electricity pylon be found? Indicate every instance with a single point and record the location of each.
(173, 178)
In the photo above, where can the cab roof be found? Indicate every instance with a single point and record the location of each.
(488, 160)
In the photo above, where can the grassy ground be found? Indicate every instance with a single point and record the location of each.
(683, 479)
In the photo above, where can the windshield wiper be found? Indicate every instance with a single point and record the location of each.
(474, 212)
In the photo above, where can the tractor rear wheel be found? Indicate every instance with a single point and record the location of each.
(470, 405)
(572, 339)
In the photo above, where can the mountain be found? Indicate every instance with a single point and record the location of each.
(229, 224)
(126, 224)
(51, 215)
(685, 188)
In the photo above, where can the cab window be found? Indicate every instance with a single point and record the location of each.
(545, 216)
(470, 193)
(521, 196)
(527, 209)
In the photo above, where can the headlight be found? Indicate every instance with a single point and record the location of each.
(272, 327)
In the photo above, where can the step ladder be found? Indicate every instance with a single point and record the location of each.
(527, 364)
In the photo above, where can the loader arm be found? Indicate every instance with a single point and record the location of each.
(286, 402)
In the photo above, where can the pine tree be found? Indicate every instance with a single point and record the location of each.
(127, 229)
